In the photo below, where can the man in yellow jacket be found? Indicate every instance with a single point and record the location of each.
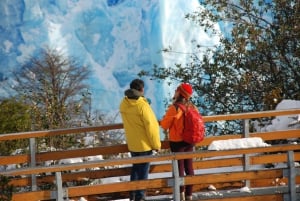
(141, 131)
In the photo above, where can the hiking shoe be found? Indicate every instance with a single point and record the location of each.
(182, 196)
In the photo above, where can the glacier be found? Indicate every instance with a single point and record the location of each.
(115, 38)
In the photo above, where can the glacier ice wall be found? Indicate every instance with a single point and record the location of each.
(116, 38)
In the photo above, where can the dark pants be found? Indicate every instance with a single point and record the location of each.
(139, 172)
(185, 166)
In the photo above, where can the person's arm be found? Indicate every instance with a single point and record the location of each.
(152, 128)
(167, 120)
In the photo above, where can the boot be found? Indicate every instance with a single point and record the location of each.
(188, 197)
(182, 196)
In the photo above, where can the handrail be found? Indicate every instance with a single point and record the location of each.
(144, 159)
(251, 115)
(122, 148)
(35, 134)
(47, 133)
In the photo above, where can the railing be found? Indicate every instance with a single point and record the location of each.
(278, 183)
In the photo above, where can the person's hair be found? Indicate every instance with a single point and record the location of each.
(180, 99)
(137, 84)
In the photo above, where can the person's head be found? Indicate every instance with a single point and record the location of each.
(183, 91)
(137, 84)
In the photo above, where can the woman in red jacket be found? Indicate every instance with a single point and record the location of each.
(173, 122)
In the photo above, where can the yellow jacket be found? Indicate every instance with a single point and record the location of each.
(140, 124)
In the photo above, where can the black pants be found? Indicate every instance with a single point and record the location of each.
(139, 171)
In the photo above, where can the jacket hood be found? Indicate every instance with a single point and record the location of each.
(132, 98)
(133, 93)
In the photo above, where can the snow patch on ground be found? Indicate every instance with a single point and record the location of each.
(237, 144)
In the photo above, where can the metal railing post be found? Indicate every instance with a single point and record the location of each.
(60, 192)
(246, 156)
(33, 162)
(292, 176)
(177, 181)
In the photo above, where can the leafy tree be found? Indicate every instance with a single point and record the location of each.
(55, 87)
(6, 189)
(256, 63)
(14, 117)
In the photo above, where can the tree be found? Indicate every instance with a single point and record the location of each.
(14, 117)
(55, 87)
(6, 189)
(256, 63)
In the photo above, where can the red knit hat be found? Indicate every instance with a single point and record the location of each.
(185, 90)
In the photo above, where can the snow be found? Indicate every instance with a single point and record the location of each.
(284, 122)
(80, 199)
(245, 189)
(211, 187)
(237, 144)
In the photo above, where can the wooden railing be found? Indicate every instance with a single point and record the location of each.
(212, 168)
